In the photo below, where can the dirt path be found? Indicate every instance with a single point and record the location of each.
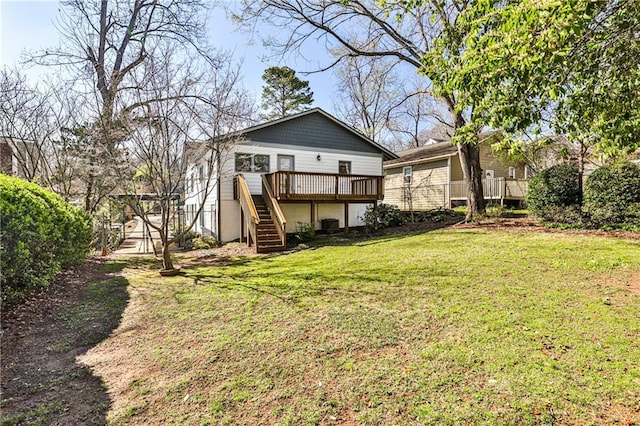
(42, 383)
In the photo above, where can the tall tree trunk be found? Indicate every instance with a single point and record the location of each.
(472, 174)
(88, 196)
(469, 154)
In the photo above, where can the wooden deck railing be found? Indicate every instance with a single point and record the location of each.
(275, 210)
(494, 189)
(291, 185)
(251, 218)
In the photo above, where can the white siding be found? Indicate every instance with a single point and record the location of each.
(301, 212)
(194, 197)
(304, 160)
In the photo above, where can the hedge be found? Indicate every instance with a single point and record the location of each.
(612, 194)
(554, 193)
(39, 235)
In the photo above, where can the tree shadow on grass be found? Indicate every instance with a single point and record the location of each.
(362, 238)
(42, 381)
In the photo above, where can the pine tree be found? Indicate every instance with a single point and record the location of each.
(284, 93)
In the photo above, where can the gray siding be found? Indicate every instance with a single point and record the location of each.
(313, 130)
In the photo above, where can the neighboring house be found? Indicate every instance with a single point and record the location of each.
(7, 159)
(306, 168)
(21, 158)
(430, 177)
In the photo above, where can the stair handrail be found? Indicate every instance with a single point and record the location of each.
(274, 209)
(248, 207)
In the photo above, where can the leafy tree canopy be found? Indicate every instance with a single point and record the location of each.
(284, 93)
(518, 64)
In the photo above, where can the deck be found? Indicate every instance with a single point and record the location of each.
(309, 186)
(494, 189)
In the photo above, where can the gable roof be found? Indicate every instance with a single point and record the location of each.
(309, 128)
(435, 151)
(423, 154)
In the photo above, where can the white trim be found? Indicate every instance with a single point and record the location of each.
(420, 161)
(409, 175)
(307, 148)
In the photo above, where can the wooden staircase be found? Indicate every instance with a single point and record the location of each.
(268, 239)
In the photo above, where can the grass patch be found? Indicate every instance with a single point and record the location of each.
(451, 326)
(40, 415)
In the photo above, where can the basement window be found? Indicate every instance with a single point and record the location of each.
(252, 163)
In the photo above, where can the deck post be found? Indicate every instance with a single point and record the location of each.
(313, 217)
(241, 225)
(346, 218)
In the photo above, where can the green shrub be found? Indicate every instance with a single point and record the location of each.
(436, 215)
(304, 232)
(39, 234)
(383, 216)
(204, 242)
(554, 193)
(186, 242)
(611, 193)
(193, 240)
(570, 217)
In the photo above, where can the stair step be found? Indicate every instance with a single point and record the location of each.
(270, 249)
(269, 241)
(268, 236)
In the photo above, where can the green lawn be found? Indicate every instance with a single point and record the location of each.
(447, 327)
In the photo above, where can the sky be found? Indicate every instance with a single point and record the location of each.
(30, 25)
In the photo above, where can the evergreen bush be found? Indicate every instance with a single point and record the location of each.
(612, 194)
(554, 192)
(383, 216)
(39, 235)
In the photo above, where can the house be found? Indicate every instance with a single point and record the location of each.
(431, 176)
(307, 168)
(22, 158)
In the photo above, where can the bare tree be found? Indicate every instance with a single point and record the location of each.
(175, 104)
(416, 109)
(376, 98)
(25, 124)
(105, 41)
(104, 44)
(378, 29)
(49, 145)
(368, 91)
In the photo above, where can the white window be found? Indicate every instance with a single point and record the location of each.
(512, 172)
(488, 174)
(344, 167)
(407, 174)
(252, 162)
